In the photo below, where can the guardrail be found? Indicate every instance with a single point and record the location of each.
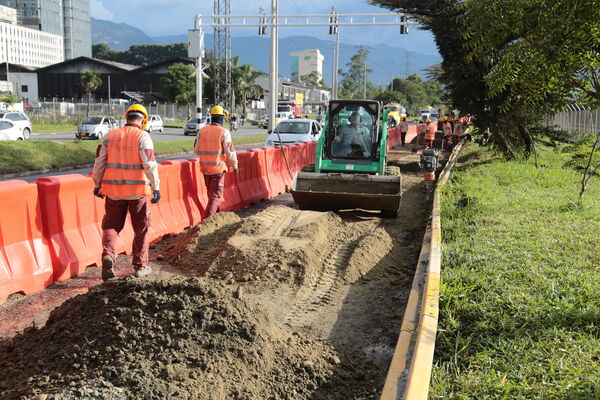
(410, 369)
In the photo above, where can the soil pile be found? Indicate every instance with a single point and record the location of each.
(174, 339)
(279, 245)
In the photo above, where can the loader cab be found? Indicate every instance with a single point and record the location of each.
(353, 131)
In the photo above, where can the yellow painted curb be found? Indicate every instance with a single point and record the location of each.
(410, 369)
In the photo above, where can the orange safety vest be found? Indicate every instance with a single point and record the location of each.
(430, 132)
(124, 173)
(404, 126)
(421, 129)
(447, 128)
(210, 149)
(458, 128)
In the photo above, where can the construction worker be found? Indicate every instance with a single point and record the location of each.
(447, 133)
(215, 150)
(126, 172)
(430, 130)
(457, 130)
(403, 130)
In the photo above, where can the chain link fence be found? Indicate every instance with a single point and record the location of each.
(78, 111)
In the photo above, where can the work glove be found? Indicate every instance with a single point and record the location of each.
(155, 197)
(97, 193)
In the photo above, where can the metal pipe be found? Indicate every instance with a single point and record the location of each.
(273, 70)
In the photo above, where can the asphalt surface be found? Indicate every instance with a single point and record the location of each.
(168, 135)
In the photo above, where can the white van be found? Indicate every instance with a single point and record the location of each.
(292, 131)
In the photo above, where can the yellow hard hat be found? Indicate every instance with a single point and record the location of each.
(444, 118)
(427, 120)
(217, 110)
(140, 109)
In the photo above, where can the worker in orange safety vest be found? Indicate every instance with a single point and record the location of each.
(447, 133)
(430, 129)
(126, 173)
(215, 150)
(403, 130)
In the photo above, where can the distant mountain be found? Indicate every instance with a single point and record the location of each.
(386, 61)
(118, 36)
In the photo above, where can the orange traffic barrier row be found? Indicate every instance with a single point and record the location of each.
(51, 230)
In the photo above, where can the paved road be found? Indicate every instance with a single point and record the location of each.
(168, 135)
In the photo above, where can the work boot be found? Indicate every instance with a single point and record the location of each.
(107, 268)
(141, 271)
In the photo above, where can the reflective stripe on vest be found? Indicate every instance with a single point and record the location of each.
(124, 173)
(209, 148)
(430, 132)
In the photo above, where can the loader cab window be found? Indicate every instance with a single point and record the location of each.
(353, 132)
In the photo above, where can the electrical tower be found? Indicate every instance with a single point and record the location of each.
(222, 53)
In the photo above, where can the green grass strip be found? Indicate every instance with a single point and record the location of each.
(21, 156)
(520, 294)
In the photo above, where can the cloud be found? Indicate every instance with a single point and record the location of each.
(99, 11)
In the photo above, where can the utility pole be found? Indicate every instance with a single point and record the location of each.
(273, 67)
(365, 79)
(196, 50)
(109, 106)
(333, 30)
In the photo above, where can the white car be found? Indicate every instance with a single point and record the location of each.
(94, 127)
(191, 127)
(20, 120)
(295, 131)
(155, 123)
(8, 131)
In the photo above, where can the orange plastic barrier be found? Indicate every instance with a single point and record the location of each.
(274, 163)
(70, 223)
(180, 191)
(252, 180)
(232, 201)
(198, 188)
(25, 261)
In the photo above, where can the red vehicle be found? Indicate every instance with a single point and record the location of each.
(288, 109)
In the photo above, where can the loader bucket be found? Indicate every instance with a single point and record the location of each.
(337, 191)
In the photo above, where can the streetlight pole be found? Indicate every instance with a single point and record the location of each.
(273, 67)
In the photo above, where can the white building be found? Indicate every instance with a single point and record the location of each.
(305, 62)
(8, 15)
(29, 47)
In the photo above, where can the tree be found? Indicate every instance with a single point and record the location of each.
(90, 81)
(244, 82)
(140, 54)
(391, 96)
(9, 98)
(314, 79)
(355, 79)
(179, 85)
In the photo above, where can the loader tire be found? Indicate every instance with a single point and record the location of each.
(309, 168)
(393, 171)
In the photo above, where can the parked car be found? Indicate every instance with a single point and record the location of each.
(192, 127)
(94, 127)
(9, 131)
(155, 123)
(19, 120)
(264, 123)
(295, 131)
(321, 119)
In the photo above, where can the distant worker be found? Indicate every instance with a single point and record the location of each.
(215, 150)
(403, 130)
(126, 172)
(430, 129)
(353, 140)
(447, 133)
(457, 130)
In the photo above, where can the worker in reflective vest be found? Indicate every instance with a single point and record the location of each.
(403, 130)
(447, 133)
(458, 130)
(126, 173)
(430, 129)
(215, 150)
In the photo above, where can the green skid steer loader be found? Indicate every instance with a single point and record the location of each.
(350, 169)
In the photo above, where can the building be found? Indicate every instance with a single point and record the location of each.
(67, 18)
(314, 100)
(8, 15)
(29, 47)
(305, 62)
(23, 82)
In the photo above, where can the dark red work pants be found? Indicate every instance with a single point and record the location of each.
(214, 188)
(113, 222)
(403, 138)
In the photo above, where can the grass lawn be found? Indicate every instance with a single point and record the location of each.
(48, 127)
(20, 156)
(520, 294)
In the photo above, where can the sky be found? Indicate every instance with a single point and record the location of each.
(173, 17)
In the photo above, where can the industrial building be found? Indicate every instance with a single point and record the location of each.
(304, 62)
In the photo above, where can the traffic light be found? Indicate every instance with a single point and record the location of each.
(262, 29)
(403, 25)
(333, 21)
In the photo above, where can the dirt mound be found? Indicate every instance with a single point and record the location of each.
(279, 244)
(178, 338)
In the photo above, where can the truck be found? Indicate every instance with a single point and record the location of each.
(287, 109)
(395, 111)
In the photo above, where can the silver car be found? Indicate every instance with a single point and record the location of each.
(155, 123)
(192, 127)
(19, 120)
(94, 127)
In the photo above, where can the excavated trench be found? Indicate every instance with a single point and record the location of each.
(269, 303)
